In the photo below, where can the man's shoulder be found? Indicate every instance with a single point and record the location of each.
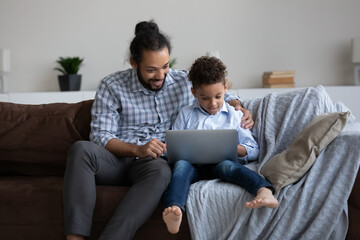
(177, 74)
(119, 77)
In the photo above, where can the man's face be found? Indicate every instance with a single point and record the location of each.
(210, 96)
(153, 68)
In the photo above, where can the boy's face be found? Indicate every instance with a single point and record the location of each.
(210, 96)
(153, 68)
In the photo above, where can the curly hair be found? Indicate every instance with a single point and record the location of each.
(207, 70)
(147, 37)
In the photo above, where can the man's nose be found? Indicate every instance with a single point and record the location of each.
(160, 74)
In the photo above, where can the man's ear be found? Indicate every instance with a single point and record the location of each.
(133, 63)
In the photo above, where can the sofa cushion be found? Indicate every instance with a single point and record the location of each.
(34, 139)
(33, 207)
(290, 165)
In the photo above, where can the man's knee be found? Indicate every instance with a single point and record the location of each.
(164, 170)
(79, 152)
(161, 171)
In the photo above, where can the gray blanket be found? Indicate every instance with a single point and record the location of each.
(313, 208)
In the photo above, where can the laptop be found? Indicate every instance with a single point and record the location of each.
(201, 146)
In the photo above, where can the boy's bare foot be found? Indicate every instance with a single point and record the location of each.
(172, 217)
(264, 198)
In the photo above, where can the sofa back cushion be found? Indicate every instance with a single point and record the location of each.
(34, 139)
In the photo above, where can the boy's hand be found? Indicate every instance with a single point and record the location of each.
(154, 148)
(246, 121)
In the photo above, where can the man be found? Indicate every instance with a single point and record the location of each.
(131, 111)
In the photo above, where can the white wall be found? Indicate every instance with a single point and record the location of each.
(311, 37)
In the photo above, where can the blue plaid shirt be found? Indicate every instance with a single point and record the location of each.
(124, 109)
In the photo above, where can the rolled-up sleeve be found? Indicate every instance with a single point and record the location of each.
(105, 116)
(251, 146)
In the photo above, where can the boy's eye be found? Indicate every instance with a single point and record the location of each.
(218, 97)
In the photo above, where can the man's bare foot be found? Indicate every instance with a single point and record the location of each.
(74, 237)
(264, 198)
(172, 217)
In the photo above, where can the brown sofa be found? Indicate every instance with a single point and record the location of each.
(34, 140)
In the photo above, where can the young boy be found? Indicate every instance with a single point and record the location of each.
(210, 111)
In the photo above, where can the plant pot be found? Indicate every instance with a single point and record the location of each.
(70, 82)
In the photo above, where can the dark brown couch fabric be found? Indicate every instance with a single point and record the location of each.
(34, 140)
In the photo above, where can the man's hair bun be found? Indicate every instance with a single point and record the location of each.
(145, 27)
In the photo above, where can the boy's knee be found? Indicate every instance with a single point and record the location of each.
(225, 165)
(223, 168)
(182, 164)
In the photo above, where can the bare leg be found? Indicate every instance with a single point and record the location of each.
(172, 217)
(264, 198)
(74, 237)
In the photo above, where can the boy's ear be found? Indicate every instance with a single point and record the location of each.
(133, 63)
(193, 91)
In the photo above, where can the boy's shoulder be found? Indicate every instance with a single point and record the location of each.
(232, 112)
(188, 108)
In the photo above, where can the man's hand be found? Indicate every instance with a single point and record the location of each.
(154, 149)
(246, 121)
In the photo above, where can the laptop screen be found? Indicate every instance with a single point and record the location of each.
(201, 146)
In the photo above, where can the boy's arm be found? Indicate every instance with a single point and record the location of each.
(180, 120)
(247, 145)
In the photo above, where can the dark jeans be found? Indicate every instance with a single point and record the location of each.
(89, 165)
(185, 173)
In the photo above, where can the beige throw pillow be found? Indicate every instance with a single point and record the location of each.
(290, 165)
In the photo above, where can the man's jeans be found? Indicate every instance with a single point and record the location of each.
(184, 174)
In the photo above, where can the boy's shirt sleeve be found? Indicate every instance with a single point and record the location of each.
(179, 123)
(247, 140)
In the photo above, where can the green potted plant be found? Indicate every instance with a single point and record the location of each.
(70, 80)
(172, 63)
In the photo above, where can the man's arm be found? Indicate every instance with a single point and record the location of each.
(105, 123)
(153, 148)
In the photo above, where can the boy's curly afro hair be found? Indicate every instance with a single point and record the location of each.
(207, 70)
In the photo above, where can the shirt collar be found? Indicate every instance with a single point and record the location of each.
(222, 109)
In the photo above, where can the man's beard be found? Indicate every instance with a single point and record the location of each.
(148, 85)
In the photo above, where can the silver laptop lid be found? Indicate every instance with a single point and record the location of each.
(201, 146)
